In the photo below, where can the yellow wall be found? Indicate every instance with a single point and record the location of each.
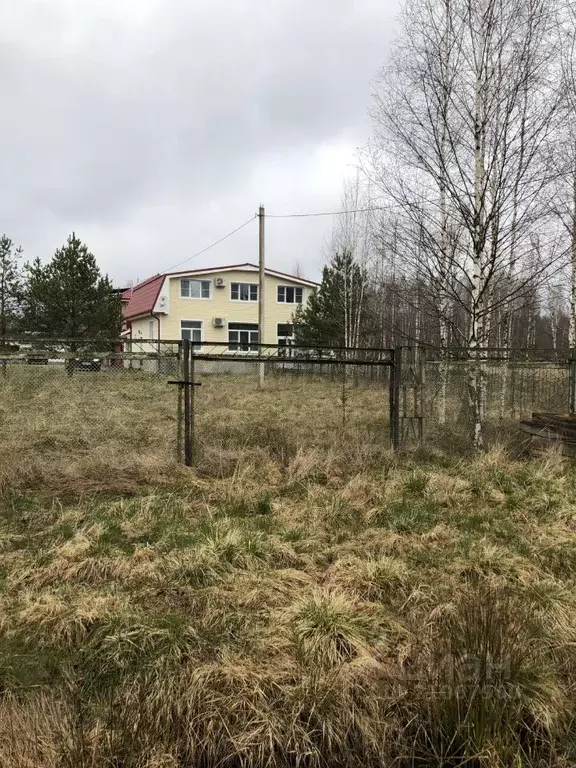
(141, 328)
(220, 305)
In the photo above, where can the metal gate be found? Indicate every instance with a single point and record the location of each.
(254, 397)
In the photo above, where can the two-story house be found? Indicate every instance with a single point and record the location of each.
(218, 304)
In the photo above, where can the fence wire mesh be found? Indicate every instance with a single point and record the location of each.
(282, 402)
(127, 397)
(124, 398)
(512, 389)
(98, 398)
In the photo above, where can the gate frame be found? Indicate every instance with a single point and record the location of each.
(403, 421)
(277, 354)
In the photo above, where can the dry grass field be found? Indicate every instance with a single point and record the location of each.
(301, 598)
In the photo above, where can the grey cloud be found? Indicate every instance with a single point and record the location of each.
(146, 126)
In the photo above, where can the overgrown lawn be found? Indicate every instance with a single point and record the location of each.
(321, 603)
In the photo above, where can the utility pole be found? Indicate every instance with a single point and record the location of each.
(261, 283)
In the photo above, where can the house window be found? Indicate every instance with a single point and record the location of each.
(289, 294)
(192, 330)
(151, 329)
(243, 337)
(243, 292)
(285, 336)
(195, 289)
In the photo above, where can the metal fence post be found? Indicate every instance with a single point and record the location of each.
(395, 377)
(572, 383)
(187, 403)
(191, 398)
(422, 381)
(179, 414)
(391, 377)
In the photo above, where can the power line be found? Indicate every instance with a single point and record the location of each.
(212, 245)
(330, 213)
(275, 216)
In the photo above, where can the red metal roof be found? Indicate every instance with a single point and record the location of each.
(140, 299)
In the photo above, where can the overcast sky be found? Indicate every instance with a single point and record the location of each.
(153, 127)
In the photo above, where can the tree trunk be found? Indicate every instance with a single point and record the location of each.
(476, 333)
(443, 370)
(443, 301)
(572, 326)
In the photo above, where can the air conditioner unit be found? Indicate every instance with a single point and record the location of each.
(163, 303)
(219, 322)
(219, 282)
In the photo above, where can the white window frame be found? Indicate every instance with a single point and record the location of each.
(233, 345)
(196, 280)
(151, 329)
(250, 286)
(196, 345)
(295, 288)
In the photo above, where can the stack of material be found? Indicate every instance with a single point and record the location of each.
(553, 428)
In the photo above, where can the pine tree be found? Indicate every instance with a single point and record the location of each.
(333, 315)
(69, 297)
(10, 286)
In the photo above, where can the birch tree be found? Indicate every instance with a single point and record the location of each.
(336, 314)
(563, 198)
(463, 117)
(352, 238)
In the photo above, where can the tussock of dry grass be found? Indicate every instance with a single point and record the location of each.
(300, 604)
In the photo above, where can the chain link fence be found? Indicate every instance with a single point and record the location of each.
(91, 400)
(210, 403)
(512, 387)
(277, 402)
(124, 397)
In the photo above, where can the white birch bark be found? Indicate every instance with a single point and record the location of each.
(450, 127)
